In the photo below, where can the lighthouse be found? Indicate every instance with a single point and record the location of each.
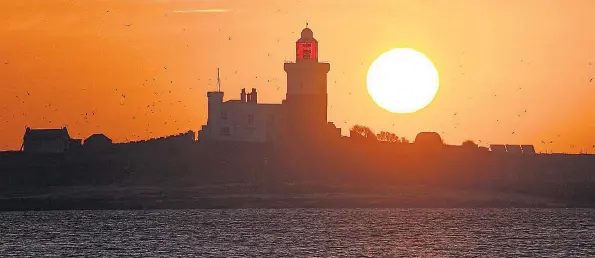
(307, 100)
(300, 119)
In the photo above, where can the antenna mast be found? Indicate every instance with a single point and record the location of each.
(218, 81)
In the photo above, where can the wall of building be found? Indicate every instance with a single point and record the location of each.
(240, 121)
(306, 99)
(46, 146)
(215, 99)
(309, 110)
(306, 77)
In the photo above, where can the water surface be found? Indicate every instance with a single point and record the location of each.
(300, 233)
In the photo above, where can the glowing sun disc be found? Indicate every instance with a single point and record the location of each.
(402, 80)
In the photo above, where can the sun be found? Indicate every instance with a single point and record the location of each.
(402, 80)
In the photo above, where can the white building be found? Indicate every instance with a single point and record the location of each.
(303, 113)
(240, 120)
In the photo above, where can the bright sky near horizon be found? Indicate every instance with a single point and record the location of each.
(139, 69)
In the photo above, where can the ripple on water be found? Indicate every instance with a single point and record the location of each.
(300, 232)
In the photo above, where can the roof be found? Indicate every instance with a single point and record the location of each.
(498, 147)
(307, 36)
(307, 33)
(428, 137)
(98, 136)
(39, 134)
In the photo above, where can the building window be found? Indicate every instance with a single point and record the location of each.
(224, 131)
(307, 53)
(250, 119)
(223, 114)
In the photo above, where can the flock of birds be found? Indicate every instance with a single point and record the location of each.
(524, 111)
(152, 108)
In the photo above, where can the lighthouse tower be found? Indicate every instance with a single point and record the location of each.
(306, 99)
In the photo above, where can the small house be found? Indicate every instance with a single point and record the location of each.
(46, 140)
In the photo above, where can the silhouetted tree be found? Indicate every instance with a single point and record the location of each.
(360, 131)
(404, 140)
(469, 144)
(387, 137)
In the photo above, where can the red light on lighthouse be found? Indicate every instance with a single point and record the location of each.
(306, 46)
(307, 50)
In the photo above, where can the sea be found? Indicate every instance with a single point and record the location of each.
(300, 233)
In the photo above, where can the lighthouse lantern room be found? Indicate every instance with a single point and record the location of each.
(306, 46)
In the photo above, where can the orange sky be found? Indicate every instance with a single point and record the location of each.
(62, 59)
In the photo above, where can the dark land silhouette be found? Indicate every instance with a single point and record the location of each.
(252, 154)
(364, 170)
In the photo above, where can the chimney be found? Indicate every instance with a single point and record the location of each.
(249, 95)
(254, 95)
(243, 95)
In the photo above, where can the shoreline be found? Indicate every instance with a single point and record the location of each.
(185, 199)
(41, 205)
